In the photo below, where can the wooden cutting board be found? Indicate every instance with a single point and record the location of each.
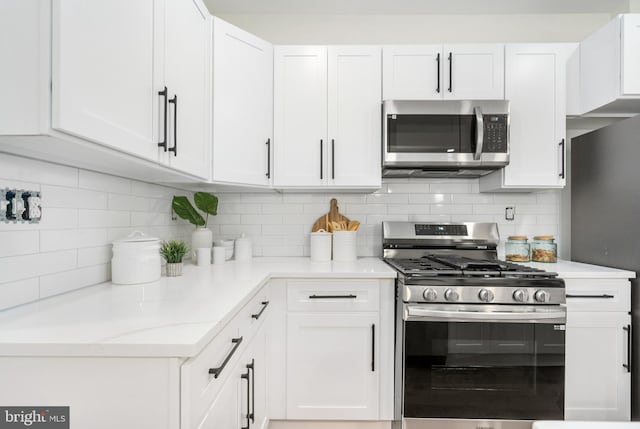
(324, 221)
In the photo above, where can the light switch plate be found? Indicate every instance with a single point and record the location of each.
(510, 213)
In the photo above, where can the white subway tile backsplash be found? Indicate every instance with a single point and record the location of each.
(429, 198)
(94, 256)
(58, 283)
(19, 292)
(272, 219)
(15, 268)
(65, 197)
(451, 209)
(281, 208)
(13, 243)
(83, 212)
(450, 188)
(103, 182)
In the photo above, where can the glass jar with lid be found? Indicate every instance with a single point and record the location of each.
(517, 248)
(544, 249)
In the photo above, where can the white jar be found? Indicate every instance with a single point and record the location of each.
(136, 259)
(200, 238)
(320, 246)
(345, 247)
(244, 248)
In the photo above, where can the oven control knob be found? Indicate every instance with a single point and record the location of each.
(430, 295)
(485, 295)
(520, 295)
(541, 296)
(451, 295)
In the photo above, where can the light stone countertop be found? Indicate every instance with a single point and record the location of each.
(174, 317)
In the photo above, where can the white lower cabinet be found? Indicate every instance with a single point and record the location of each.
(331, 368)
(597, 374)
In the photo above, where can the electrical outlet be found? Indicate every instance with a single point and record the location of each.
(510, 213)
(17, 205)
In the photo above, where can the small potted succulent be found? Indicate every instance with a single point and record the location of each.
(173, 252)
(208, 203)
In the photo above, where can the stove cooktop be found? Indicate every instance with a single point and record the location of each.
(456, 265)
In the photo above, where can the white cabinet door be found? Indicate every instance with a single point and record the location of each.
(473, 72)
(332, 373)
(598, 386)
(225, 411)
(354, 116)
(412, 72)
(103, 80)
(630, 58)
(242, 106)
(259, 379)
(187, 61)
(300, 116)
(535, 86)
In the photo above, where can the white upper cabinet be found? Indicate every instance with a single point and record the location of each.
(535, 87)
(610, 68)
(474, 72)
(103, 73)
(452, 72)
(327, 117)
(242, 106)
(187, 78)
(412, 72)
(354, 116)
(300, 115)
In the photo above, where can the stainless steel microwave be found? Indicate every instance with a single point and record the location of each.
(444, 138)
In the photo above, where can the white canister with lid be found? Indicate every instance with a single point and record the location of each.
(345, 248)
(244, 248)
(136, 259)
(320, 246)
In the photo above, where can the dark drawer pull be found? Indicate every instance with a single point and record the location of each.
(333, 296)
(216, 371)
(264, 307)
(604, 295)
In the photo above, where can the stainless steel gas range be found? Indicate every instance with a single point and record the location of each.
(480, 342)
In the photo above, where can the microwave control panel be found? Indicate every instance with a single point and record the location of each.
(495, 133)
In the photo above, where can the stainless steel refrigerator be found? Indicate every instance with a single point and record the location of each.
(605, 212)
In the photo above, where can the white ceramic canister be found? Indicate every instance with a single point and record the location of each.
(244, 248)
(136, 259)
(345, 248)
(320, 246)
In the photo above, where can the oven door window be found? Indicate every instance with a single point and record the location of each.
(431, 133)
(484, 370)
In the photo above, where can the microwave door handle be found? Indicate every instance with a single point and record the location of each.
(479, 133)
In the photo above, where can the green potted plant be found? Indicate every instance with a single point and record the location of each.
(202, 237)
(173, 252)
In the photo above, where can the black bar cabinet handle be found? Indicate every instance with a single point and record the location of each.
(264, 307)
(561, 144)
(174, 149)
(333, 159)
(163, 143)
(450, 72)
(438, 72)
(268, 158)
(217, 371)
(627, 366)
(252, 367)
(351, 296)
(604, 295)
(245, 376)
(373, 347)
(321, 153)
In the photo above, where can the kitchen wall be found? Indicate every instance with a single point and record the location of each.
(83, 212)
(279, 224)
(416, 28)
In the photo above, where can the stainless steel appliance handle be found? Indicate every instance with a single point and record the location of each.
(423, 313)
(479, 133)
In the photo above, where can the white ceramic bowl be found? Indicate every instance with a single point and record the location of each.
(227, 244)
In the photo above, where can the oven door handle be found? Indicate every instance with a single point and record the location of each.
(417, 313)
